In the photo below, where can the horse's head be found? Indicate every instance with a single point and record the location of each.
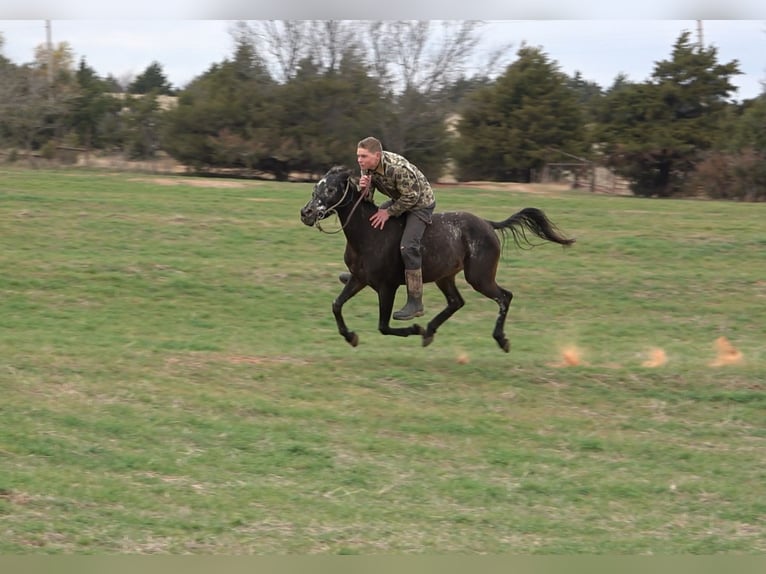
(331, 192)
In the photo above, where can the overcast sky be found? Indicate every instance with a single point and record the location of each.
(600, 49)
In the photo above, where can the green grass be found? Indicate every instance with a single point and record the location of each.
(173, 381)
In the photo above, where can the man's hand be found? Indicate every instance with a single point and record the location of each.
(379, 218)
(364, 184)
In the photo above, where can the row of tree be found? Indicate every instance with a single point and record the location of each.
(297, 96)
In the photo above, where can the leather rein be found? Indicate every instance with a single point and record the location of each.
(333, 209)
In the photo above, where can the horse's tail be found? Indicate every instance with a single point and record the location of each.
(534, 220)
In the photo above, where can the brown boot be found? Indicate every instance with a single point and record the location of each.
(414, 306)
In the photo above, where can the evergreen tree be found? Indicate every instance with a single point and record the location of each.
(589, 94)
(749, 130)
(89, 109)
(142, 119)
(324, 113)
(653, 133)
(508, 129)
(152, 79)
(226, 116)
(112, 85)
(416, 127)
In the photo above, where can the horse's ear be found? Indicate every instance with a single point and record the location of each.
(338, 169)
(345, 172)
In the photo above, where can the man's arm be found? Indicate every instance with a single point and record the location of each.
(409, 188)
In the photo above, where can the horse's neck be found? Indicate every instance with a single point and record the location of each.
(356, 222)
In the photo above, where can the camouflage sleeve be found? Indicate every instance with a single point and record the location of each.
(409, 188)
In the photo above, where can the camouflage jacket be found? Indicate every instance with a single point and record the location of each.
(405, 184)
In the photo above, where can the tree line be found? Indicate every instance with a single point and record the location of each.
(296, 96)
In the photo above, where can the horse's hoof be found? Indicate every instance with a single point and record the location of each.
(427, 340)
(506, 346)
(418, 330)
(353, 340)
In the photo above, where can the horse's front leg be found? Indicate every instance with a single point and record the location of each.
(386, 297)
(351, 288)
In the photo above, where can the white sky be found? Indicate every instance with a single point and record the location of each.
(600, 49)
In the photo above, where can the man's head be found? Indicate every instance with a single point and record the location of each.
(368, 152)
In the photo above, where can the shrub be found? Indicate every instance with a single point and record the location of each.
(736, 176)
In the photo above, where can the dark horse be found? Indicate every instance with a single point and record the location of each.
(454, 241)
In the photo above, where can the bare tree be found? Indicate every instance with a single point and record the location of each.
(421, 55)
(331, 39)
(763, 82)
(26, 110)
(287, 41)
(55, 60)
(377, 43)
(283, 44)
(404, 54)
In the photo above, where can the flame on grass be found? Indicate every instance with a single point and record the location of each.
(657, 358)
(727, 354)
(571, 356)
(462, 358)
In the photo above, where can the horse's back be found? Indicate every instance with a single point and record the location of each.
(454, 238)
(461, 227)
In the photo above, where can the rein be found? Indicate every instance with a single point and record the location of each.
(332, 210)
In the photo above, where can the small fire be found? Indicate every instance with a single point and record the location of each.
(657, 358)
(727, 354)
(570, 357)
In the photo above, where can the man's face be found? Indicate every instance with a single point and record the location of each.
(366, 159)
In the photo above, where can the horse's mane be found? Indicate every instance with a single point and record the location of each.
(348, 174)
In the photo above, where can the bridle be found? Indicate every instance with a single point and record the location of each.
(332, 210)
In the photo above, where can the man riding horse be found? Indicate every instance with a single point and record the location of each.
(410, 196)
(454, 241)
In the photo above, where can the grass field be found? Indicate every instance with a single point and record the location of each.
(173, 382)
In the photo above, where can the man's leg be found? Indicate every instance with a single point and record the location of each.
(413, 275)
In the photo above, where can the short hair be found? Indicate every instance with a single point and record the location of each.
(370, 144)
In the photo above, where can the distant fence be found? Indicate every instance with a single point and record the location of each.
(606, 181)
(585, 175)
(576, 174)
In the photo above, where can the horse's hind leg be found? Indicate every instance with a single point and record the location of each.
(489, 288)
(504, 303)
(454, 302)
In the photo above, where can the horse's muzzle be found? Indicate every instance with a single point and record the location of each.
(309, 215)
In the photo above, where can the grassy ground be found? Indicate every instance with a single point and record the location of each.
(173, 381)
